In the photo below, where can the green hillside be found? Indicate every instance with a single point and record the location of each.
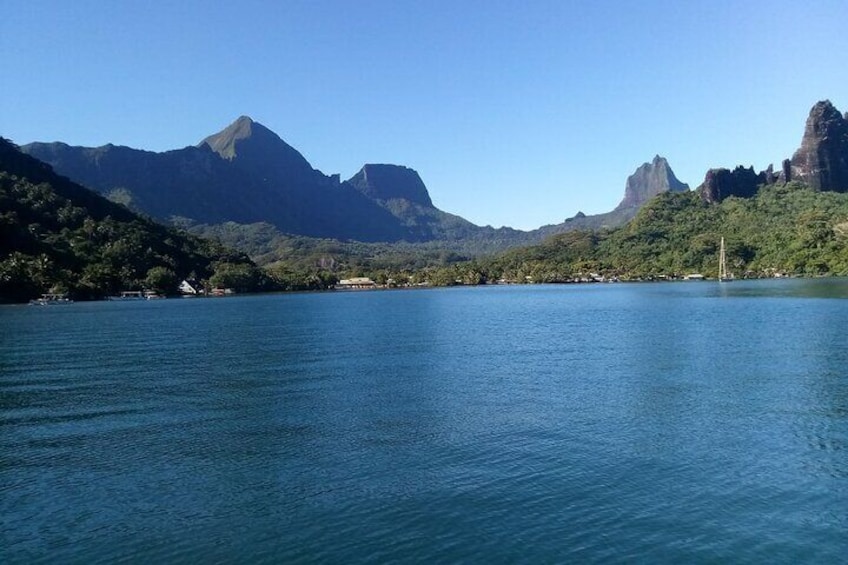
(56, 236)
(787, 228)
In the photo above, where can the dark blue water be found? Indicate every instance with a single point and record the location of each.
(677, 422)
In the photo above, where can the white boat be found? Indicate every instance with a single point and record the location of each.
(723, 274)
(51, 299)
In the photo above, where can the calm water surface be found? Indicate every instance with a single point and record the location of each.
(677, 422)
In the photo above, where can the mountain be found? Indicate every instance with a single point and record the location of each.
(785, 228)
(822, 159)
(248, 175)
(254, 149)
(740, 182)
(401, 192)
(56, 235)
(391, 182)
(776, 223)
(821, 162)
(245, 174)
(648, 181)
(185, 182)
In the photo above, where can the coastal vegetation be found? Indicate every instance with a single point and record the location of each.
(785, 229)
(56, 236)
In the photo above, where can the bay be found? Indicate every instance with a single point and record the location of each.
(669, 422)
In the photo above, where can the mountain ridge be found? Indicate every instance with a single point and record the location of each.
(58, 236)
(246, 173)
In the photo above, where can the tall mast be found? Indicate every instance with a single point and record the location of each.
(722, 263)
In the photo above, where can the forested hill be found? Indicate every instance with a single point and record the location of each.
(57, 236)
(786, 228)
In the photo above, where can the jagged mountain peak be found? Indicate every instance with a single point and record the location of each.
(225, 143)
(649, 180)
(824, 107)
(822, 159)
(824, 121)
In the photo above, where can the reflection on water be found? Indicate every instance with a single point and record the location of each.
(788, 288)
(689, 422)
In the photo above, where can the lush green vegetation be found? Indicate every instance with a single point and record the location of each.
(304, 263)
(267, 245)
(56, 236)
(786, 228)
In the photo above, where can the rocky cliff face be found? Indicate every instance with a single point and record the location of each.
(822, 160)
(741, 182)
(649, 180)
(387, 182)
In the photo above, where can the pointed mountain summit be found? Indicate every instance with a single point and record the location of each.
(224, 142)
(649, 180)
(388, 182)
(251, 146)
(822, 159)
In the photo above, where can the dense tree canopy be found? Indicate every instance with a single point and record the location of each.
(56, 236)
(785, 228)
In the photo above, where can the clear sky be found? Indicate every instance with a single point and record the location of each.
(518, 113)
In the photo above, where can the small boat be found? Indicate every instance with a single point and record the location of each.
(723, 275)
(51, 299)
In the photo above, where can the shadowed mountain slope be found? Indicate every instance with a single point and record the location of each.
(247, 174)
(58, 236)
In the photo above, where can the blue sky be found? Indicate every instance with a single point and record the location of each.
(514, 113)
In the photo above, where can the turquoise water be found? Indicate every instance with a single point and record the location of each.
(675, 422)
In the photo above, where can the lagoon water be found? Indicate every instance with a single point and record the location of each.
(674, 422)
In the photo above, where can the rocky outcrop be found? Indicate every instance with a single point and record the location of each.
(649, 180)
(822, 159)
(740, 182)
(388, 182)
(785, 171)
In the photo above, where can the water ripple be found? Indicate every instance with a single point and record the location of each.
(526, 425)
